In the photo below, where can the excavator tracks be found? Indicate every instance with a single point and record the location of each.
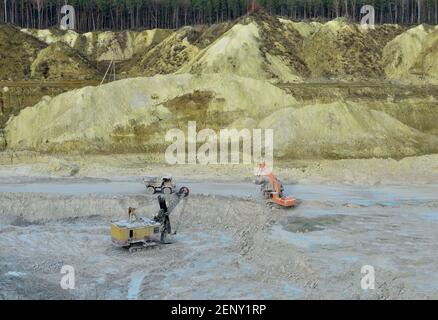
(143, 247)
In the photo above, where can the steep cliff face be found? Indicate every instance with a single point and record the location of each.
(412, 56)
(343, 50)
(17, 52)
(60, 62)
(166, 57)
(259, 46)
(103, 46)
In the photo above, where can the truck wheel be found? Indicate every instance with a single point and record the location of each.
(167, 190)
(184, 191)
(150, 190)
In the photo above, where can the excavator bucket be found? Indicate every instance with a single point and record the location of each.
(287, 202)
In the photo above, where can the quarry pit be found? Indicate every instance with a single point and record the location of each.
(355, 121)
(228, 243)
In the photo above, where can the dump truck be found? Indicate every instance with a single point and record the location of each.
(164, 184)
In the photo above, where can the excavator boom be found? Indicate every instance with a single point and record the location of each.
(276, 192)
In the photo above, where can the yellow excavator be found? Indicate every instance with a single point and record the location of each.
(138, 234)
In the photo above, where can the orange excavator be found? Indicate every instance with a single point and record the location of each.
(272, 188)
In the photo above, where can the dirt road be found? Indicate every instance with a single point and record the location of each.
(229, 244)
(362, 195)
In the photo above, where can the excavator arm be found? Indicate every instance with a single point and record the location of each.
(276, 195)
(163, 216)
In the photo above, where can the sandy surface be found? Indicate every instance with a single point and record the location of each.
(56, 210)
(228, 244)
(30, 166)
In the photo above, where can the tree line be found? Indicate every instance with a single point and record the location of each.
(94, 15)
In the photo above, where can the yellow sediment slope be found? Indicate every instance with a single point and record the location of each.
(238, 52)
(60, 62)
(223, 76)
(344, 130)
(339, 49)
(134, 114)
(103, 46)
(412, 55)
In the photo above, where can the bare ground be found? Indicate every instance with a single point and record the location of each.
(226, 246)
(22, 166)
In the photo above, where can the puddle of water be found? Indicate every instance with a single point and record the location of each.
(15, 274)
(113, 294)
(92, 259)
(307, 241)
(256, 291)
(111, 270)
(304, 224)
(365, 195)
(21, 222)
(382, 203)
(431, 216)
(200, 267)
(204, 239)
(26, 239)
(135, 284)
(230, 291)
(101, 279)
(292, 292)
(349, 259)
(225, 239)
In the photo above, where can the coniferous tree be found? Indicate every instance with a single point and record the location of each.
(145, 14)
